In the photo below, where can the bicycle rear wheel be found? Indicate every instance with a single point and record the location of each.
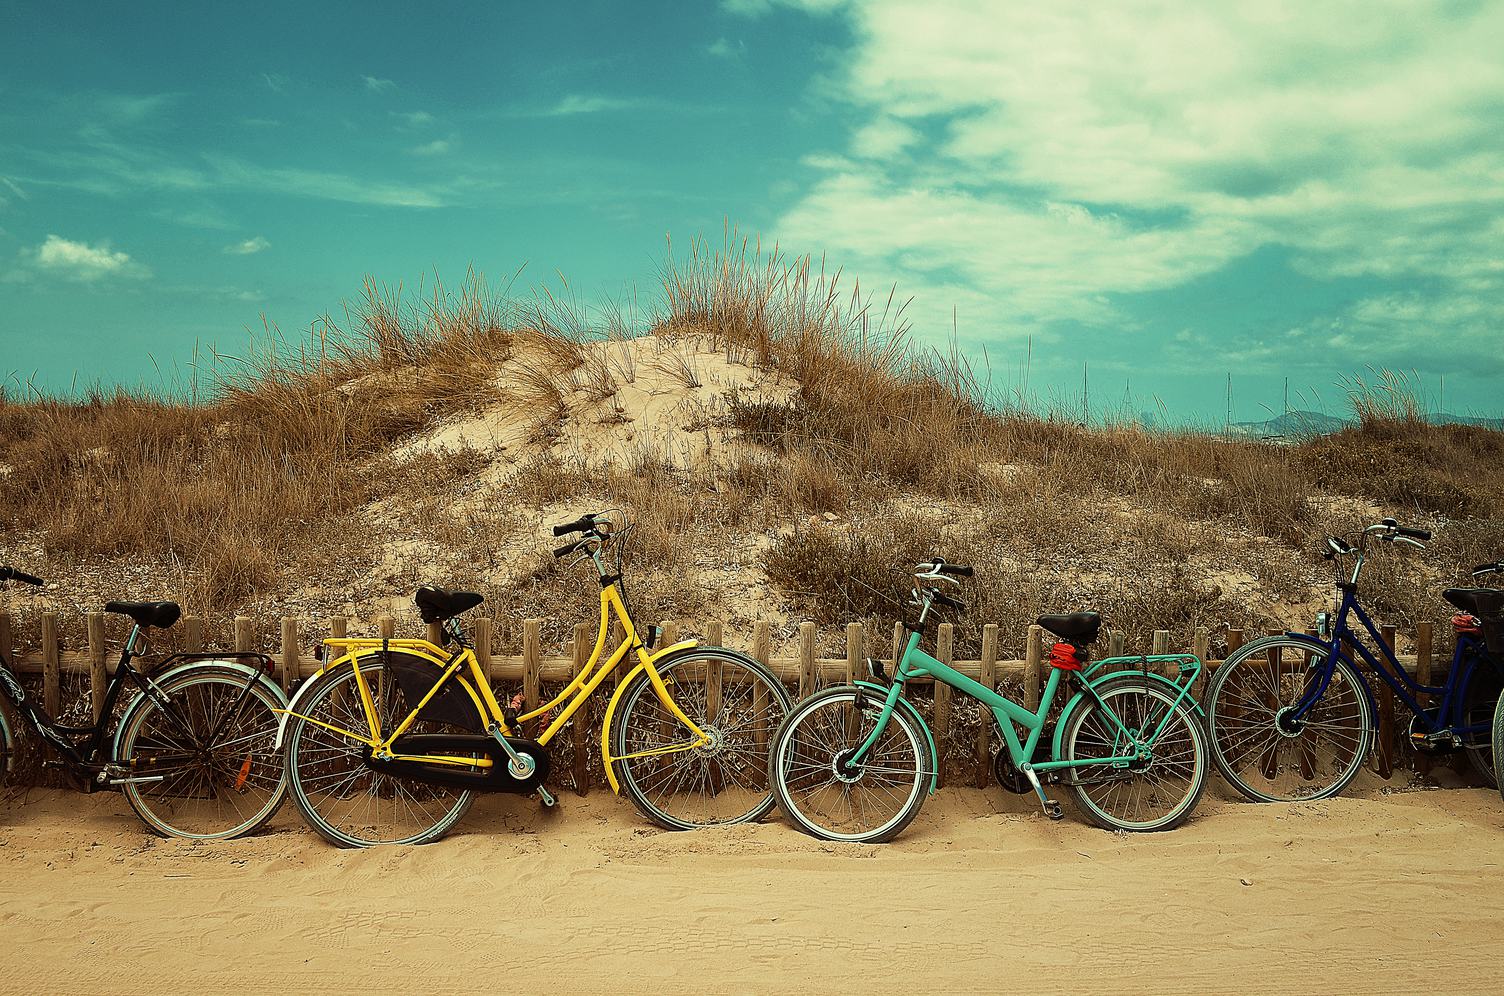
(11, 761)
(347, 802)
(1159, 795)
(1499, 734)
(871, 803)
(737, 702)
(214, 749)
(1260, 749)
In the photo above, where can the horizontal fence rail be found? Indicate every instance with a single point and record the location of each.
(958, 749)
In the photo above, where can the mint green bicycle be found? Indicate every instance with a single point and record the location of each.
(855, 762)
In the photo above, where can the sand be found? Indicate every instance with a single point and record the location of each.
(1378, 891)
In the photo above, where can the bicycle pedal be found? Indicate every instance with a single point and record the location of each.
(547, 798)
(1053, 811)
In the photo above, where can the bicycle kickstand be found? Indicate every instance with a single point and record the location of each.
(1051, 807)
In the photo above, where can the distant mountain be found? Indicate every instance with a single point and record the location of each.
(1296, 423)
(1487, 423)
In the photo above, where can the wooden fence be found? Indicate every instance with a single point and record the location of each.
(532, 669)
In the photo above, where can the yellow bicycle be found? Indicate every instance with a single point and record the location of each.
(391, 741)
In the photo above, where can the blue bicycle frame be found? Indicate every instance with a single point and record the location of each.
(1447, 716)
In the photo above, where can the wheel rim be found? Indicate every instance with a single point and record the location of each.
(335, 789)
(1147, 796)
(727, 780)
(208, 790)
(1276, 761)
(821, 791)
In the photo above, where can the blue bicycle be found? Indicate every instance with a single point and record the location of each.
(1292, 716)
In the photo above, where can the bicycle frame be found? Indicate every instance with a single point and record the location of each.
(915, 663)
(571, 698)
(1450, 694)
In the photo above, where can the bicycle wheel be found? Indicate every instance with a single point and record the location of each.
(1499, 732)
(872, 803)
(11, 761)
(1262, 752)
(1478, 707)
(347, 802)
(213, 745)
(1157, 795)
(737, 702)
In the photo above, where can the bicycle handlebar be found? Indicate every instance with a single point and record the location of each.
(954, 603)
(1497, 567)
(584, 522)
(12, 574)
(568, 548)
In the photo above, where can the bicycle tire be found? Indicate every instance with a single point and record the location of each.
(786, 748)
(1481, 704)
(1183, 718)
(730, 769)
(1222, 702)
(1499, 734)
(183, 804)
(12, 747)
(315, 757)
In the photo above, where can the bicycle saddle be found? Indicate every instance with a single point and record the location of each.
(438, 604)
(159, 614)
(1485, 603)
(1079, 627)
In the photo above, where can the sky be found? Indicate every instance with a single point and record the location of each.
(1146, 198)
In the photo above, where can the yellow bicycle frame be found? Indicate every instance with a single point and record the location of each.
(478, 687)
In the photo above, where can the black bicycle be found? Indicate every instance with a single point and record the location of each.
(195, 751)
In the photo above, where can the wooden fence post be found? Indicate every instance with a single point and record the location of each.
(762, 651)
(52, 693)
(1201, 643)
(482, 639)
(387, 627)
(1033, 666)
(1117, 644)
(531, 663)
(945, 654)
(806, 659)
(245, 635)
(713, 673)
(579, 732)
(854, 649)
(98, 680)
(5, 639)
(193, 634)
(898, 645)
(290, 670)
(435, 633)
(984, 728)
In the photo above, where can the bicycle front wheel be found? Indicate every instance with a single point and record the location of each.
(1478, 708)
(11, 762)
(1158, 794)
(1499, 735)
(340, 796)
(737, 703)
(1257, 743)
(204, 764)
(871, 802)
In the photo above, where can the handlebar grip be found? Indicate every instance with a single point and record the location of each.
(15, 575)
(954, 603)
(583, 522)
(1497, 567)
(959, 570)
(566, 549)
(1419, 534)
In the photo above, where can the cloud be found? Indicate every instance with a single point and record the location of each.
(724, 48)
(414, 119)
(1051, 161)
(581, 104)
(437, 147)
(230, 172)
(376, 85)
(275, 82)
(10, 189)
(81, 261)
(249, 247)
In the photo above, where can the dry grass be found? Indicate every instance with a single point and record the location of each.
(262, 489)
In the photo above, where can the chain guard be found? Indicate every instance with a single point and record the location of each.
(496, 778)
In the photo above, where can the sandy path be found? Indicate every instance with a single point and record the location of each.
(1364, 894)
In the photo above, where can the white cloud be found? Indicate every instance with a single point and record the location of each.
(437, 147)
(249, 247)
(414, 119)
(377, 85)
(724, 48)
(581, 104)
(1084, 151)
(82, 261)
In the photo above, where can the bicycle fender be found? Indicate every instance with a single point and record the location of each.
(606, 760)
(244, 670)
(351, 658)
(1075, 701)
(913, 713)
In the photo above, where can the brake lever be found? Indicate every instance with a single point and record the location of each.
(1406, 539)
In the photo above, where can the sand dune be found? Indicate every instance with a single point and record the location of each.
(1376, 892)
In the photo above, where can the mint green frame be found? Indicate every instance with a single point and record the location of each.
(915, 663)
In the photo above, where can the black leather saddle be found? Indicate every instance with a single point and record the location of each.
(438, 604)
(159, 614)
(1078, 627)
(1485, 603)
